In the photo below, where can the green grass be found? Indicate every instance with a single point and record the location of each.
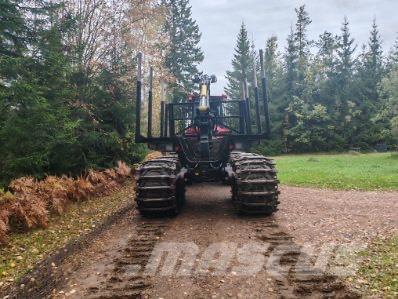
(376, 171)
(378, 274)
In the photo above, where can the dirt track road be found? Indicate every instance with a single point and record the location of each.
(210, 252)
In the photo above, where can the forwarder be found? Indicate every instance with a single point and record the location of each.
(206, 139)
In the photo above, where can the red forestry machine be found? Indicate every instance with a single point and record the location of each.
(206, 139)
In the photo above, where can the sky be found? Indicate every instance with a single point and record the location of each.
(219, 22)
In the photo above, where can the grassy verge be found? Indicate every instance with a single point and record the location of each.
(378, 274)
(24, 250)
(376, 171)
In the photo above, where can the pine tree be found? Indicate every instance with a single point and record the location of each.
(241, 65)
(184, 53)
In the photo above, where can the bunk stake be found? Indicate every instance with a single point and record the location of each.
(138, 100)
(256, 98)
(247, 108)
(150, 98)
(162, 126)
(265, 95)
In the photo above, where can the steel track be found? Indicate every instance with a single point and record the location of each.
(254, 183)
(160, 186)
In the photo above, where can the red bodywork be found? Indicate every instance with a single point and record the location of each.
(218, 130)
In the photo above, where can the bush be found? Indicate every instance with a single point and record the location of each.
(269, 148)
(6, 199)
(30, 201)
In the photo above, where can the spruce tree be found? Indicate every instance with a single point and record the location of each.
(12, 27)
(291, 63)
(278, 100)
(343, 82)
(389, 113)
(372, 68)
(368, 78)
(326, 54)
(303, 20)
(393, 56)
(325, 65)
(302, 45)
(345, 51)
(254, 65)
(241, 66)
(344, 76)
(375, 57)
(13, 40)
(184, 53)
(272, 62)
(297, 54)
(37, 132)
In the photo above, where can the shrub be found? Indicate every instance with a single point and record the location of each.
(3, 223)
(54, 191)
(29, 209)
(269, 148)
(6, 199)
(30, 202)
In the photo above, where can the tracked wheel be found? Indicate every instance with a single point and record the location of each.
(254, 184)
(160, 187)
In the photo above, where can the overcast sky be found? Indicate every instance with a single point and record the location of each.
(219, 22)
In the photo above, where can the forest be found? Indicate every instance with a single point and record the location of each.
(326, 95)
(67, 83)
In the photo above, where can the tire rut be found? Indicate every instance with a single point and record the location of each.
(127, 279)
(208, 219)
(293, 279)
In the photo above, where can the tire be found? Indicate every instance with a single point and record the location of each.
(160, 189)
(255, 184)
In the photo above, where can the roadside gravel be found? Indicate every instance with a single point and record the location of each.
(320, 216)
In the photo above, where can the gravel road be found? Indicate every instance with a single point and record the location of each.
(210, 252)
